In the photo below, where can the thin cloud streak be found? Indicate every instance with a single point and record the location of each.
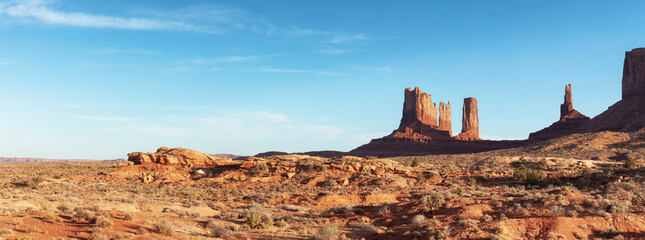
(332, 37)
(332, 51)
(206, 18)
(112, 50)
(253, 125)
(38, 10)
(281, 70)
(108, 119)
(227, 59)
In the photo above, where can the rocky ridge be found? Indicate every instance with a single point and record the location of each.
(181, 156)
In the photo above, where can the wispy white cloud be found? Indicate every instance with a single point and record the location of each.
(348, 38)
(193, 69)
(330, 37)
(2, 62)
(226, 59)
(37, 10)
(113, 50)
(109, 119)
(282, 70)
(332, 51)
(208, 18)
(241, 125)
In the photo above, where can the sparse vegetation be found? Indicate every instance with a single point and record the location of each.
(257, 220)
(433, 200)
(381, 198)
(163, 227)
(328, 232)
(630, 163)
(415, 162)
(530, 176)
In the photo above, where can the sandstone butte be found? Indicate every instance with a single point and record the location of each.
(182, 156)
(419, 132)
(426, 128)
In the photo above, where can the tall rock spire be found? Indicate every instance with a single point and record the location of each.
(570, 119)
(567, 107)
(445, 118)
(470, 120)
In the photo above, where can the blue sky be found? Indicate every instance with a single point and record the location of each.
(90, 79)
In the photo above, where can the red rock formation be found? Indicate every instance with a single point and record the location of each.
(419, 133)
(566, 109)
(183, 156)
(445, 119)
(419, 120)
(470, 121)
(418, 106)
(634, 73)
(570, 120)
(627, 114)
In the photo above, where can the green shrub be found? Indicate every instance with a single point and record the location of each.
(433, 201)
(616, 207)
(82, 213)
(260, 168)
(415, 162)
(258, 220)
(471, 181)
(529, 176)
(630, 163)
(282, 223)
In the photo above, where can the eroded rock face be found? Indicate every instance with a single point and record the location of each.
(634, 73)
(570, 120)
(628, 114)
(183, 156)
(470, 121)
(418, 106)
(445, 119)
(566, 109)
(419, 120)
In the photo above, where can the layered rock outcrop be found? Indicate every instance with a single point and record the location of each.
(469, 121)
(182, 156)
(445, 119)
(419, 131)
(566, 109)
(418, 106)
(419, 120)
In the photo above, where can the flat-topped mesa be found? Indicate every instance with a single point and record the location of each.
(418, 106)
(634, 73)
(445, 118)
(470, 121)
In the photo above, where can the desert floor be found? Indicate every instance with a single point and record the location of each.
(583, 186)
